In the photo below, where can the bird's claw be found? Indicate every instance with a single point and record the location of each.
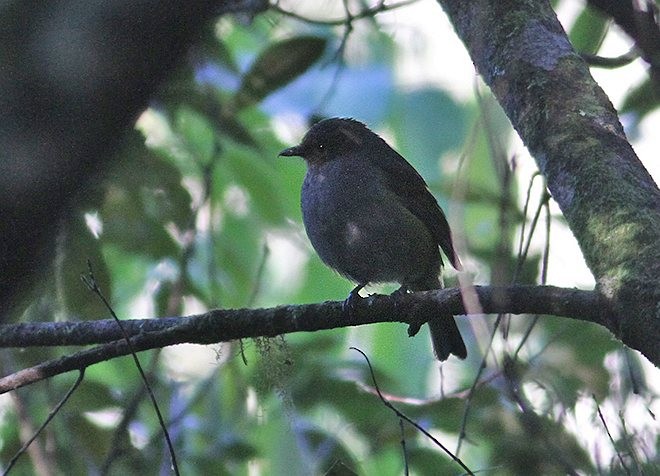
(349, 306)
(413, 327)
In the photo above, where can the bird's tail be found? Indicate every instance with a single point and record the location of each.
(446, 338)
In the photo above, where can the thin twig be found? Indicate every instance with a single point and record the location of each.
(528, 197)
(544, 273)
(52, 414)
(531, 421)
(90, 281)
(367, 12)
(259, 277)
(609, 435)
(406, 470)
(403, 416)
(610, 63)
(253, 295)
(128, 413)
(626, 439)
(468, 400)
(522, 255)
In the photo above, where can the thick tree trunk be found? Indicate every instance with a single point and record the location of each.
(567, 122)
(74, 77)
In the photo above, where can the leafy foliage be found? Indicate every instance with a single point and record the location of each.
(200, 213)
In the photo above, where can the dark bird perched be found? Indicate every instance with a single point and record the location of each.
(371, 217)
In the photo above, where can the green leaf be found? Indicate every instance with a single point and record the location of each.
(231, 127)
(641, 100)
(144, 193)
(335, 457)
(76, 245)
(93, 396)
(427, 123)
(197, 133)
(217, 50)
(129, 272)
(260, 180)
(237, 258)
(277, 66)
(127, 225)
(406, 360)
(428, 461)
(588, 31)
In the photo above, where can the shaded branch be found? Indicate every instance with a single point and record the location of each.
(222, 325)
(615, 62)
(640, 21)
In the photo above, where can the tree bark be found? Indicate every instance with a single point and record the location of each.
(223, 325)
(567, 122)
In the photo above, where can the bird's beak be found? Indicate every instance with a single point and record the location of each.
(294, 151)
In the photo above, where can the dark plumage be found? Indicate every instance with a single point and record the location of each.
(371, 217)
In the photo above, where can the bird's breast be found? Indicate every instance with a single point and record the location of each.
(361, 229)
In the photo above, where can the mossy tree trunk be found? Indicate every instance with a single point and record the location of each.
(567, 122)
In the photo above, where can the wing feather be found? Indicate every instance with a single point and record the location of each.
(405, 181)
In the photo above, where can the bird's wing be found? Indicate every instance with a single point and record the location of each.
(406, 182)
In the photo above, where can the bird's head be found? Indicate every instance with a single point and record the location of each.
(329, 139)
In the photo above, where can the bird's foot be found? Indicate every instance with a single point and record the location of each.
(415, 326)
(349, 306)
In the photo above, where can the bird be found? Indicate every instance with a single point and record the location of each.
(371, 217)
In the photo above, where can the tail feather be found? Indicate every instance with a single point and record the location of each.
(446, 338)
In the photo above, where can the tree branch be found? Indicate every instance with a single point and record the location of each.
(367, 12)
(609, 200)
(641, 25)
(222, 325)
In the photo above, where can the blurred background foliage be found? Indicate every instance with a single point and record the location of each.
(199, 213)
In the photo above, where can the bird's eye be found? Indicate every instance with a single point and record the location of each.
(321, 146)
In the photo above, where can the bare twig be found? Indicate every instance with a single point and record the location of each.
(128, 414)
(523, 250)
(52, 413)
(627, 440)
(403, 416)
(406, 470)
(544, 271)
(611, 63)
(531, 421)
(90, 281)
(609, 435)
(528, 197)
(366, 13)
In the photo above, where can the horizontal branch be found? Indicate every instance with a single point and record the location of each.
(222, 325)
